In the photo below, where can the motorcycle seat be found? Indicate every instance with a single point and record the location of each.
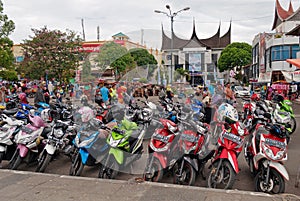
(11, 111)
(46, 131)
(283, 113)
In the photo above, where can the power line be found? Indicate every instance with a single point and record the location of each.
(241, 20)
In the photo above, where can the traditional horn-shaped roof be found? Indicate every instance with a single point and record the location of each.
(213, 42)
(166, 41)
(281, 14)
(194, 41)
(226, 38)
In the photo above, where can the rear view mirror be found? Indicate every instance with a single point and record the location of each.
(267, 115)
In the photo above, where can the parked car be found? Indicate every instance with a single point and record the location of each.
(240, 91)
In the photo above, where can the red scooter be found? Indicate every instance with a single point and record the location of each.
(162, 151)
(195, 154)
(265, 154)
(230, 143)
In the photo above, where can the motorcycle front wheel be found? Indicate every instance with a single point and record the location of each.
(155, 173)
(110, 170)
(293, 125)
(223, 178)
(1, 156)
(76, 166)
(275, 184)
(188, 174)
(43, 162)
(15, 161)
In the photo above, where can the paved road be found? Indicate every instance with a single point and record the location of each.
(244, 181)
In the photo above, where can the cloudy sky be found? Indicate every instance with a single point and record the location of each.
(130, 17)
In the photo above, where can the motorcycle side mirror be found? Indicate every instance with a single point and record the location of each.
(267, 115)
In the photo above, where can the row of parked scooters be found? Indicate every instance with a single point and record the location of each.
(182, 138)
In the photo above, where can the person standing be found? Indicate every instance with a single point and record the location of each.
(23, 96)
(50, 88)
(120, 91)
(39, 96)
(104, 93)
(229, 96)
(46, 94)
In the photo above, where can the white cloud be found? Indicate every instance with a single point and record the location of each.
(113, 16)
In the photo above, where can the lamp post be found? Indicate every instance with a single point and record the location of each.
(171, 16)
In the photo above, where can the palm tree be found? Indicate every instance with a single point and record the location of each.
(182, 72)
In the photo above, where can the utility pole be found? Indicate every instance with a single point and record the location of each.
(83, 34)
(98, 33)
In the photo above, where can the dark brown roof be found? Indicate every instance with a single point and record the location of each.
(295, 31)
(213, 42)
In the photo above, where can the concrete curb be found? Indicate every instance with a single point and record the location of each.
(213, 193)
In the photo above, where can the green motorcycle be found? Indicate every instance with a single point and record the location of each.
(126, 146)
(285, 106)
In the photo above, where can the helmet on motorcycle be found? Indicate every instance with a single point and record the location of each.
(255, 97)
(45, 115)
(36, 121)
(85, 114)
(227, 113)
(84, 100)
(277, 131)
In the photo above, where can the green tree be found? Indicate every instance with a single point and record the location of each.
(86, 74)
(182, 72)
(115, 56)
(55, 51)
(142, 57)
(6, 28)
(235, 55)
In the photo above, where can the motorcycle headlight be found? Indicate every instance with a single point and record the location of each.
(289, 103)
(269, 153)
(58, 133)
(114, 143)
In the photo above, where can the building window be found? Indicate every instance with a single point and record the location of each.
(284, 52)
(196, 62)
(295, 49)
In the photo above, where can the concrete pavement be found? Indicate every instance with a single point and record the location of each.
(18, 185)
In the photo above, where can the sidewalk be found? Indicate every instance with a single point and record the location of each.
(18, 185)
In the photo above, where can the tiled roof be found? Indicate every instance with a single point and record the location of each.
(120, 34)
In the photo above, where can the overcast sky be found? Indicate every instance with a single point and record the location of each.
(113, 16)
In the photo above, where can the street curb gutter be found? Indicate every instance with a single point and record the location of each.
(213, 193)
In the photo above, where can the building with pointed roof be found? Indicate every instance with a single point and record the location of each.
(271, 50)
(198, 56)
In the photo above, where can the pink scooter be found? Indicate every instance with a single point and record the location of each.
(29, 142)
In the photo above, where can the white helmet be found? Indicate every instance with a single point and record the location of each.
(228, 113)
(86, 114)
(45, 115)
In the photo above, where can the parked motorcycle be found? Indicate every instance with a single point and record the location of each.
(7, 133)
(126, 146)
(29, 142)
(224, 165)
(195, 153)
(265, 154)
(59, 139)
(163, 151)
(89, 148)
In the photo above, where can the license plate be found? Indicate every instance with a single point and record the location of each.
(275, 143)
(232, 137)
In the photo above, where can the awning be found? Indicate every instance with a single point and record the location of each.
(295, 62)
(291, 76)
(265, 77)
